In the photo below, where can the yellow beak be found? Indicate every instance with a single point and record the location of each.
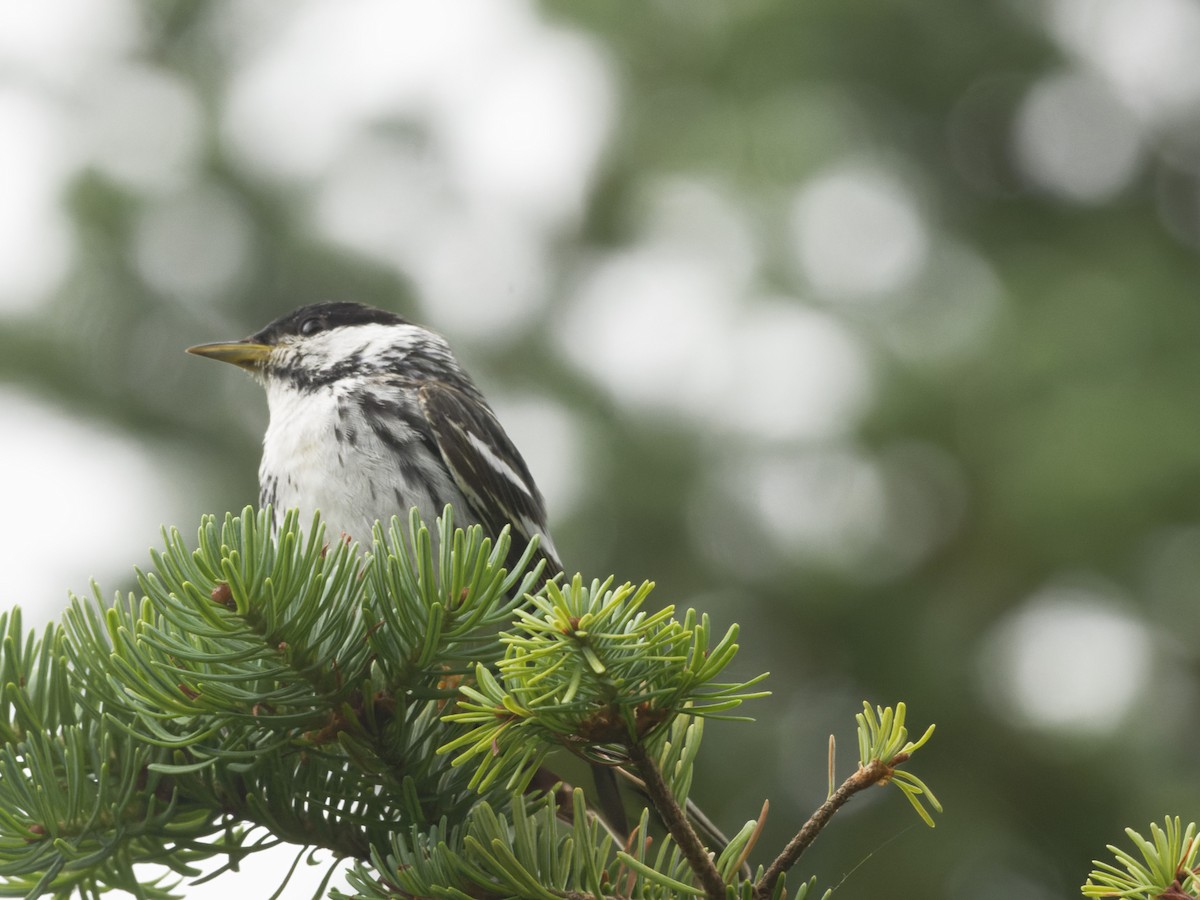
(245, 354)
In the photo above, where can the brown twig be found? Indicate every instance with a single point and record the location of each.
(677, 824)
(867, 776)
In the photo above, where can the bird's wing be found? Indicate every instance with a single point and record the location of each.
(487, 467)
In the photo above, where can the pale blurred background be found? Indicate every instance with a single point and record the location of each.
(872, 327)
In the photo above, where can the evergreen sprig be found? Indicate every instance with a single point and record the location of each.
(80, 805)
(439, 600)
(883, 738)
(1167, 868)
(587, 668)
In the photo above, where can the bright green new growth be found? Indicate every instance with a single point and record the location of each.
(1167, 867)
(588, 669)
(388, 707)
(882, 737)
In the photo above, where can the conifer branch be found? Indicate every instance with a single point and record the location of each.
(390, 707)
(677, 823)
(883, 746)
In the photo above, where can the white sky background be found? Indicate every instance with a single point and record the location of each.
(520, 112)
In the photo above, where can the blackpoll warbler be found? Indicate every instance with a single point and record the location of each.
(371, 415)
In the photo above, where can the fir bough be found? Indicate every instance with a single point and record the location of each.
(389, 706)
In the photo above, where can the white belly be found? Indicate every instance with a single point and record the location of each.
(351, 483)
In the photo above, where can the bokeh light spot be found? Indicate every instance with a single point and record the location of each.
(141, 126)
(858, 232)
(1076, 140)
(948, 311)
(481, 276)
(531, 133)
(651, 327)
(1146, 48)
(57, 41)
(194, 244)
(520, 111)
(311, 80)
(796, 373)
(826, 505)
(36, 239)
(383, 200)
(758, 516)
(1068, 660)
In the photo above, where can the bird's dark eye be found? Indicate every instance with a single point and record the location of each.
(311, 326)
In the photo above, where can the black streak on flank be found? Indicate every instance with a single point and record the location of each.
(396, 426)
(390, 437)
(345, 431)
(269, 491)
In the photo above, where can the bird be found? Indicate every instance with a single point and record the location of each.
(371, 415)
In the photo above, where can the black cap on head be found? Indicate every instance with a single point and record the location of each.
(318, 317)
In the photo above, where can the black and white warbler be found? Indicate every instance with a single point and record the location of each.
(371, 415)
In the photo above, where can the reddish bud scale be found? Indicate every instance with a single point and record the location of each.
(222, 595)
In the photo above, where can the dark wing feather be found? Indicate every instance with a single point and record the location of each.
(487, 467)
